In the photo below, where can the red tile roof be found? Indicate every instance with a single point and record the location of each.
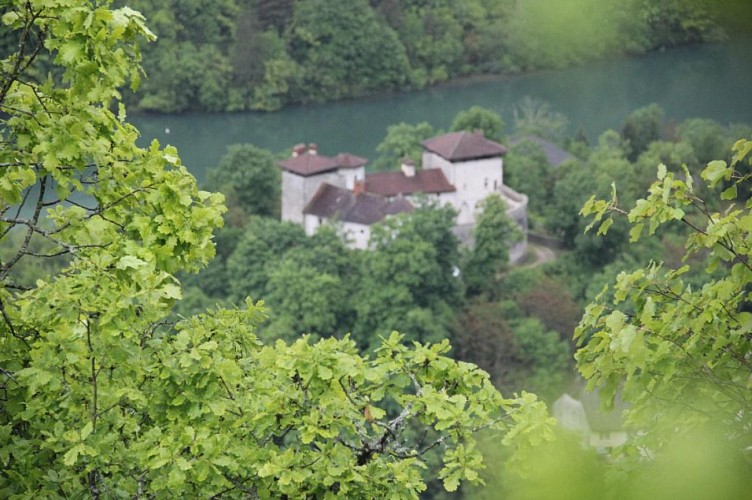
(394, 183)
(346, 160)
(307, 164)
(344, 205)
(462, 146)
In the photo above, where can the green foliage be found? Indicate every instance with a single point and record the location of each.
(264, 242)
(263, 54)
(553, 304)
(344, 50)
(518, 352)
(558, 33)
(432, 38)
(250, 180)
(188, 65)
(642, 127)
(478, 118)
(687, 344)
(526, 170)
(535, 117)
(407, 278)
(236, 54)
(402, 140)
(494, 233)
(310, 287)
(706, 137)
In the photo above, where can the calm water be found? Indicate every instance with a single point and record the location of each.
(711, 81)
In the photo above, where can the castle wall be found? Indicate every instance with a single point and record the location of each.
(293, 197)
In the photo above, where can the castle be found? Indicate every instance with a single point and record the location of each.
(458, 168)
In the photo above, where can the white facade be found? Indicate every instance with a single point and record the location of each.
(474, 180)
(350, 176)
(357, 235)
(297, 190)
(572, 415)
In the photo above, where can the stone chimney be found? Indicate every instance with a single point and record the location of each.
(313, 149)
(408, 167)
(298, 150)
(359, 187)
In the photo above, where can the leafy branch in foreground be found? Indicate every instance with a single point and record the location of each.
(682, 353)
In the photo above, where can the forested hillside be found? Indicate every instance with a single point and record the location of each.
(514, 322)
(233, 55)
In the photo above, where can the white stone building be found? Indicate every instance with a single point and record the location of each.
(459, 168)
(598, 428)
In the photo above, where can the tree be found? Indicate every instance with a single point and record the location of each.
(102, 397)
(478, 118)
(494, 233)
(682, 353)
(535, 117)
(432, 39)
(408, 277)
(706, 137)
(189, 66)
(250, 180)
(263, 244)
(303, 300)
(526, 169)
(402, 141)
(642, 127)
(552, 303)
(310, 289)
(344, 50)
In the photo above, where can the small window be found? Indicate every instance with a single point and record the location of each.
(496, 185)
(485, 183)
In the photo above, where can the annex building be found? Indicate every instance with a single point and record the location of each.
(458, 168)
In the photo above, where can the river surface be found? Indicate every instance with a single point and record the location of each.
(708, 81)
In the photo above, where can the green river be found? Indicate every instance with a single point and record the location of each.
(708, 81)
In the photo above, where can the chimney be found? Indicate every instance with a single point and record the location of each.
(298, 150)
(359, 187)
(313, 149)
(408, 167)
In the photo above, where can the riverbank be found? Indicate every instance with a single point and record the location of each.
(707, 81)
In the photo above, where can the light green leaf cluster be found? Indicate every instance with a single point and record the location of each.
(680, 354)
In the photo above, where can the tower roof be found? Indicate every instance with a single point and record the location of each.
(310, 163)
(464, 146)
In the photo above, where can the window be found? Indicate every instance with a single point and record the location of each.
(485, 183)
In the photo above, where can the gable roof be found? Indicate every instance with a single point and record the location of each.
(463, 146)
(362, 208)
(396, 182)
(554, 154)
(308, 164)
(347, 160)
